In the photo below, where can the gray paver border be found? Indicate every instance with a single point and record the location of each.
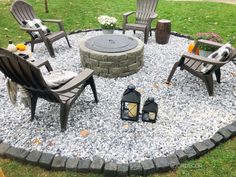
(169, 163)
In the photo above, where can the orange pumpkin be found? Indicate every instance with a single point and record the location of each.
(21, 47)
(191, 47)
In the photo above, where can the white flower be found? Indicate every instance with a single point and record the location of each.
(107, 22)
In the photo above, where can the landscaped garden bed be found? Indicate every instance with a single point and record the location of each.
(186, 114)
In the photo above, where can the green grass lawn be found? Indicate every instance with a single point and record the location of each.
(187, 18)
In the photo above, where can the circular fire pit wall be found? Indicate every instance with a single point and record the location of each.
(112, 55)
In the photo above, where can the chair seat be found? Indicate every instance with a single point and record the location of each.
(55, 36)
(70, 94)
(135, 26)
(194, 65)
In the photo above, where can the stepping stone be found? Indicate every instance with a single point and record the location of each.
(72, 164)
(97, 165)
(59, 163)
(45, 160)
(3, 148)
(200, 148)
(190, 152)
(225, 133)
(17, 153)
(110, 169)
(173, 161)
(182, 156)
(232, 129)
(161, 164)
(33, 157)
(217, 138)
(84, 165)
(135, 169)
(210, 145)
(122, 170)
(148, 167)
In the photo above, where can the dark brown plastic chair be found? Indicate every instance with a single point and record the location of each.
(192, 63)
(23, 11)
(29, 76)
(145, 13)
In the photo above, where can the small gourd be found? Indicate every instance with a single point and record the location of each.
(191, 47)
(21, 47)
(11, 47)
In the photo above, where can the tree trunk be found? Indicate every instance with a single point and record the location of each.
(46, 5)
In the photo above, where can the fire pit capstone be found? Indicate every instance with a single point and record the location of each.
(112, 55)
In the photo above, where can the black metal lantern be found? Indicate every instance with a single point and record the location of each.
(130, 104)
(150, 108)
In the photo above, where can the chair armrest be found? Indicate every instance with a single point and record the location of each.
(211, 43)
(52, 20)
(76, 81)
(59, 22)
(29, 30)
(153, 16)
(202, 59)
(128, 13)
(39, 63)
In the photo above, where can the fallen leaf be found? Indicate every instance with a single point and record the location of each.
(84, 133)
(37, 141)
(126, 126)
(234, 74)
(156, 85)
(141, 90)
(50, 143)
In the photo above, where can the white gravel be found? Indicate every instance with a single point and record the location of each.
(186, 113)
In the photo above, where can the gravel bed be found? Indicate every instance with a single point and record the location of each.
(186, 113)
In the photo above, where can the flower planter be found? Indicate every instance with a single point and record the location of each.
(108, 31)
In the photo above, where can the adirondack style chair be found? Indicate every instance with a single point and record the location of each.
(24, 12)
(193, 64)
(144, 15)
(29, 76)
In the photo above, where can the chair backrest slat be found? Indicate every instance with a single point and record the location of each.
(9, 71)
(22, 11)
(144, 9)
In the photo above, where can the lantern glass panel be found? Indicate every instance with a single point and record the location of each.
(130, 104)
(149, 112)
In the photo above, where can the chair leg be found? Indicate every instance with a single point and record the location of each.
(146, 36)
(64, 112)
(93, 87)
(123, 31)
(50, 49)
(33, 106)
(218, 75)
(67, 41)
(32, 46)
(172, 72)
(134, 31)
(150, 32)
(209, 84)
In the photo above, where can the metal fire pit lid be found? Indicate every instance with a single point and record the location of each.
(110, 43)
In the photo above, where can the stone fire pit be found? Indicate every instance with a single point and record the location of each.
(112, 55)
